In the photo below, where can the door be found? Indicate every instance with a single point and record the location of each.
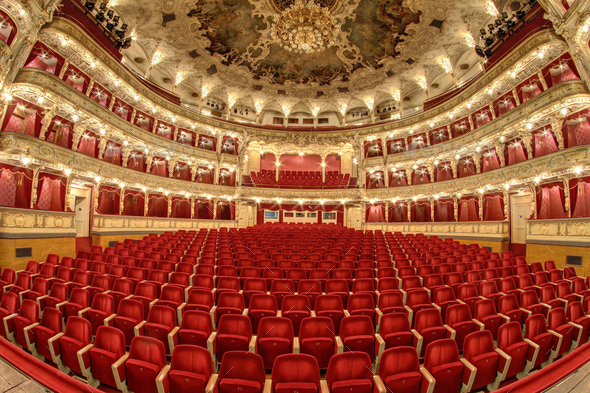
(354, 217)
(520, 211)
(82, 205)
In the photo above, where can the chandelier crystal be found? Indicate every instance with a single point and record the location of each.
(305, 27)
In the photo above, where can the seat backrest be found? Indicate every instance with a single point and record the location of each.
(262, 301)
(231, 299)
(293, 368)
(393, 323)
(132, 309)
(328, 302)
(467, 291)
(357, 325)
(419, 296)
(458, 313)
(52, 319)
(349, 366)
(235, 324)
(316, 327)
(23, 280)
(172, 293)
(484, 308)
(508, 334)
(441, 352)
(79, 329)
(162, 315)
(237, 366)
(275, 327)
(146, 289)
(282, 286)
(255, 284)
(10, 302)
(148, 349)
(80, 296)
(478, 343)
(295, 303)
(103, 302)
(309, 286)
(40, 285)
(360, 301)
(123, 285)
(427, 318)
(535, 326)
(527, 298)
(110, 339)
(555, 318)
(399, 360)
(443, 294)
(197, 320)
(192, 359)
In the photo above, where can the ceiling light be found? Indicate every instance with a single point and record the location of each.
(25, 160)
(578, 170)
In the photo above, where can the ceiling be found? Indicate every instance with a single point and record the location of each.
(381, 49)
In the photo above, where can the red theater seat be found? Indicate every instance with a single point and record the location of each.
(64, 347)
(450, 373)
(350, 372)
(240, 373)
(275, 337)
(190, 370)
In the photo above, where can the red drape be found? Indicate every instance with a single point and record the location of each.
(375, 213)
(301, 208)
(159, 167)
(133, 203)
(165, 130)
(60, 132)
(444, 210)
(181, 208)
(157, 205)
(504, 104)
(373, 149)
(23, 118)
(51, 192)
(398, 212)
(550, 201)
(229, 145)
(112, 153)
(43, 58)
(514, 152)
(416, 142)
(576, 130)
(375, 180)
(580, 197)
(186, 137)
(204, 175)
(466, 167)
(226, 211)
(397, 179)
(439, 135)
(560, 70)
(460, 127)
(88, 144)
(420, 211)
(108, 200)
(489, 160)
(443, 172)
(122, 109)
(529, 89)
(543, 142)
(493, 207)
(77, 79)
(481, 117)
(15, 186)
(227, 177)
(420, 176)
(9, 28)
(469, 209)
(144, 121)
(182, 171)
(136, 161)
(207, 142)
(204, 209)
(259, 214)
(101, 95)
(396, 146)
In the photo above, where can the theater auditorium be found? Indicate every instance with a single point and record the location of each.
(294, 196)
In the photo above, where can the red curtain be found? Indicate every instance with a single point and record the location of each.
(133, 203)
(333, 163)
(443, 172)
(375, 213)
(420, 211)
(101, 95)
(560, 70)
(77, 79)
(469, 209)
(226, 211)
(489, 161)
(504, 104)
(466, 167)
(375, 180)
(204, 175)
(460, 127)
(9, 28)
(88, 144)
(398, 212)
(543, 142)
(397, 179)
(420, 176)
(165, 130)
(259, 214)
(550, 201)
(112, 153)
(207, 142)
(529, 89)
(204, 209)
(15, 186)
(159, 167)
(181, 208)
(580, 197)
(444, 211)
(122, 109)
(186, 137)
(144, 121)
(439, 135)
(514, 152)
(157, 205)
(373, 149)
(51, 192)
(481, 117)
(493, 207)
(182, 171)
(227, 178)
(136, 161)
(23, 118)
(396, 146)
(108, 200)
(301, 208)
(43, 58)
(229, 146)
(576, 131)
(416, 142)
(60, 132)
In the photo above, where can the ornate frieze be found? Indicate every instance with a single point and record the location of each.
(39, 223)
(565, 231)
(495, 231)
(105, 225)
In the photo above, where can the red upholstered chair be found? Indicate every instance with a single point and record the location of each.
(310, 288)
(489, 290)
(139, 370)
(261, 306)
(358, 335)
(8, 277)
(96, 359)
(241, 373)
(469, 295)
(491, 364)
(459, 319)
(15, 324)
(508, 306)
(363, 303)
(195, 329)
(529, 303)
(275, 338)
(40, 288)
(296, 308)
(253, 286)
(428, 323)
(317, 338)
(161, 323)
(38, 334)
(549, 297)
(522, 350)
(486, 314)
(103, 306)
(571, 332)
(9, 306)
(295, 372)
(281, 288)
(549, 342)
(234, 333)
(190, 371)
(451, 373)
(417, 300)
(339, 288)
(228, 303)
(63, 347)
(576, 314)
(199, 300)
(443, 298)
(79, 299)
(330, 306)
(129, 315)
(147, 294)
(22, 283)
(400, 371)
(100, 284)
(396, 332)
(122, 288)
(350, 372)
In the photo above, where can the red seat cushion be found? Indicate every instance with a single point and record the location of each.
(353, 386)
(271, 347)
(185, 382)
(101, 362)
(228, 385)
(448, 377)
(404, 382)
(141, 376)
(322, 348)
(193, 337)
(293, 387)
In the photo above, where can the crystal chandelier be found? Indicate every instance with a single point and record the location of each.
(305, 27)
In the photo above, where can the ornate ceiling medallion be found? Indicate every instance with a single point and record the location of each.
(305, 27)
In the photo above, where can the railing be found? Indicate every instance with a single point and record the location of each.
(105, 225)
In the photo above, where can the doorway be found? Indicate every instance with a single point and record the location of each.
(81, 203)
(520, 211)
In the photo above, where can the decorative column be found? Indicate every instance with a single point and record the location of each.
(543, 81)
(133, 114)
(533, 200)
(148, 163)
(409, 172)
(192, 207)
(386, 177)
(363, 213)
(506, 196)
(493, 113)
(566, 193)
(499, 147)
(480, 200)
(122, 201)
(96, 195)
(171, 165)
(323, 165)
(431, 210)
(155, 127)
(409, 205)
(477, 162)
(90, 87)
(470, 122)
(78, 131)
(112, 103)
(64, 68)
(515, 96)
(527, 141)
(454, 164)
(102, 145)
(68, 189)
(219, 141)
(386, 213)
(215, 203)
(35, 185)
(449, 131)
(277, 166)
(193, 172)
(46, 121)
(169, 206)
(125, 152)
(146, 204)
(456, 208)
(556, 126)
(215, 171)
(430, 168)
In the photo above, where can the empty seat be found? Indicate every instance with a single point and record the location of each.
(522, 351)
(296, 308)
(63, 347)
(317, 338)
(358, 335)
(129, 315)
(15, 324)
(399, 370)
(295, 373)
(234, 333)
(275, 337)
(557, 321)
(261, 306)
(241, 373)
(190, 371)
(330, 306)
(103, 306)
(161, 322)
(451, 373)
(459, 319)
(396, 332)
(37, 335)
(549, 342)
(350, 372)
(98, 358)
(9, 306)
(428, 323)
(195, 329)
(143, 365)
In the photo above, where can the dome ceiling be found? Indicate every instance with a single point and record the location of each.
(322, 55)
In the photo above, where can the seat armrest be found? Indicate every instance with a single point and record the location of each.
(339, 345)
(346, 313)
(404, 295)
(506, 317)
(211, 384)
(576, 341)
(20, 295)
(418, 340)
(324, 386)
(109, 321)
(6, 288)
(84, 313)
(468, 377)
(173, 338)
(428, 382)
(267, 386)
(504, 361)
(381, 348)
(379, 383)
(39, 299)
(379, 315)
(54, 349)
(118, 370)
(212, 313)
(245, 312)
(252, 344)
(138, 329)
(9, 334)
(410, 314)
(58, 305)
(528, 312)
(451, 332)
(557, 340)
(531, 359)
(211, 345)
(162, 382)
(84, 361)
(279, 313)
(28, 332)
(439, 308)
(180, 312)
(478, 323)
(152, 303)
(296, 347)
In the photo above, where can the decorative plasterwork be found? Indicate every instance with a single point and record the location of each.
(41, 222)
(105, 225)
(495, 231)
(565, 231)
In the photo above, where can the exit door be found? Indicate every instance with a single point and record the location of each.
(520, 211)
